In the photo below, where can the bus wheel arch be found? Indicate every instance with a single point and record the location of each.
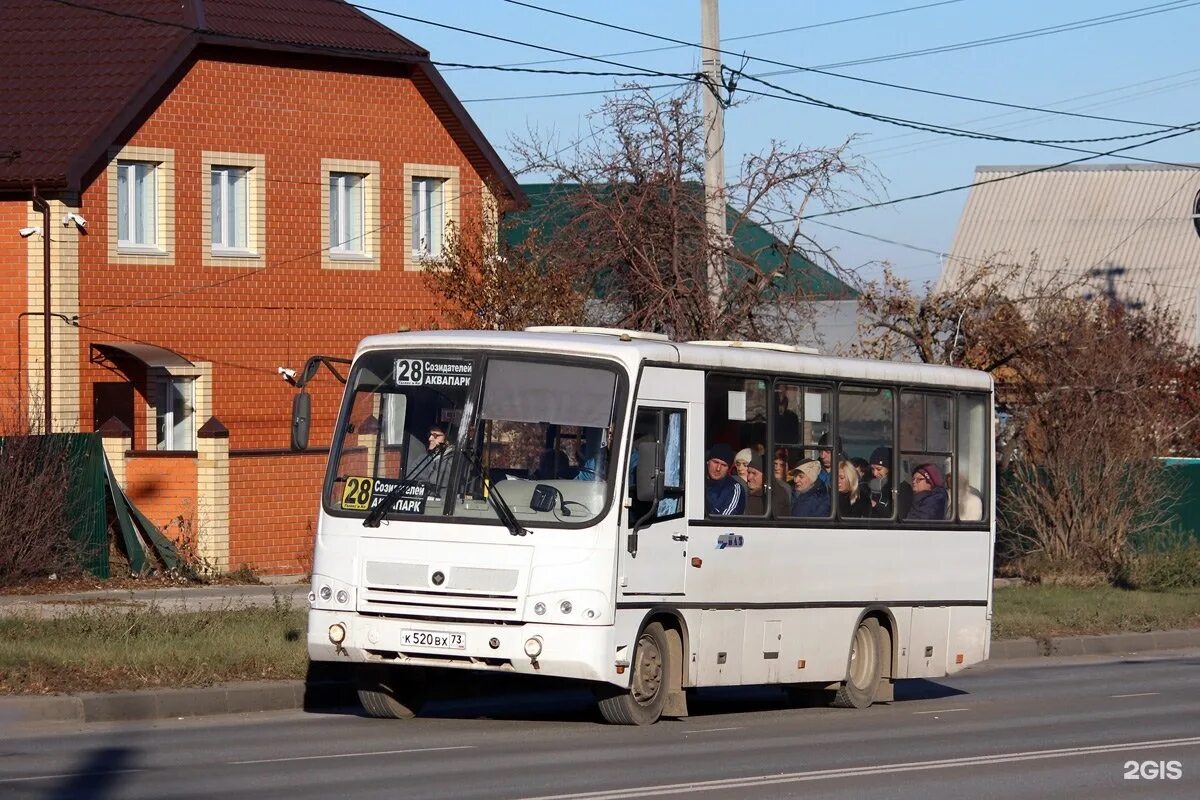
(656, 675)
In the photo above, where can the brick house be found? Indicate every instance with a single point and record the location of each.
(222, 188)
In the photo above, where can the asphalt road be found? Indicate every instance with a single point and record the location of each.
(1038, 729)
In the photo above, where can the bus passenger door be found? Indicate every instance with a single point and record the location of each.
(653, 560)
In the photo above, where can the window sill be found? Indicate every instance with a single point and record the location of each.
(350, 255)
(233, 252)
(140, 250)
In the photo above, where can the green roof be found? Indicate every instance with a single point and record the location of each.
(546, 212)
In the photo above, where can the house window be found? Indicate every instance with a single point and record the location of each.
(346, 213)
(175, 414)
(137, 204)
(230, 208)
(428, 216)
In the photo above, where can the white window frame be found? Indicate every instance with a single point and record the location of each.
(446, 178)
(168, 439)
(128, 210)
(429, 216)
(342, 195)
(222, 244)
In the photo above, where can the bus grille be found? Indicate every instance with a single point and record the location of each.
(394, 602)
(469, 593)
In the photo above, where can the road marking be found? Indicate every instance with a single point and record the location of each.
(71, 775)
(713, 730)
(942, 711)
(1138, 694)
(879, 769)
(355, 755)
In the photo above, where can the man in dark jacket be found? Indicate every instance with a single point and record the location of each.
(723, 494)
(756, 497)
(882, 496)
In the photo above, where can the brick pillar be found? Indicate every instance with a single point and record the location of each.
(212, 495)
(117, 439)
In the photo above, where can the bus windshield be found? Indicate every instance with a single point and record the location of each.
(459, 436)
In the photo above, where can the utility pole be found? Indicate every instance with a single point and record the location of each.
(714, 149)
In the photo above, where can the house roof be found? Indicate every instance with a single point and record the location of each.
(1130, 229)
(75, 73)
(546, 211)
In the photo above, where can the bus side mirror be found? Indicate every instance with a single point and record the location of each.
(649, 472)
(301, 415)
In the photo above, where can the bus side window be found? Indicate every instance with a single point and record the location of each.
(926, 458)
(666, 426)
(969, 483)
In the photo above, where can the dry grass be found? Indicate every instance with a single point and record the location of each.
(101, 649)
(1041, 611)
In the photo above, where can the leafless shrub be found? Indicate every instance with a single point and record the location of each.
(35, 473)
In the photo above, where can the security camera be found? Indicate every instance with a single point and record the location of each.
(288, 375)
(27, 232)
(76, 218)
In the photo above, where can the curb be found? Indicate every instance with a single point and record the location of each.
(324, 692)
(1111, 644)
(150, 704)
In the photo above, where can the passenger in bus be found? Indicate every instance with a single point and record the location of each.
(970, 501)
(593, 454)
(852, 502)
(434, 468)
(781, 470)
(930, 498)
(826, 457)
(787, 424)
(723, 495)
(741, 463)
(882, 495)
(756, 496)
(810, 497)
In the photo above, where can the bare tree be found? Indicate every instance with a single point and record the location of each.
(633, 222)
(481, 283)
(1093, 395)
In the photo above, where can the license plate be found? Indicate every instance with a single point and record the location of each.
(441, 640)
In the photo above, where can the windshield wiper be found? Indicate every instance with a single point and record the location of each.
(376, 514)
(503, 509)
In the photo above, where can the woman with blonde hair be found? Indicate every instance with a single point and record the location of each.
(852, 501)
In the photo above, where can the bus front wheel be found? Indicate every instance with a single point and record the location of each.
(388, 692)
(642, 703)
(865, 670)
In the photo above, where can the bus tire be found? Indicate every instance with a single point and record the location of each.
(642, 703)
(387, 692)
(865, 668)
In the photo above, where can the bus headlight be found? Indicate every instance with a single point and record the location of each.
(337, 633)
(533, 646)
(539, 608)
(342, 597)
(565, 606)
(326, 592)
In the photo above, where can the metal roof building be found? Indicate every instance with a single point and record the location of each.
(1130, 231)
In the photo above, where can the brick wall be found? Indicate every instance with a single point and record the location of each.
(291, 308)
(164, 489)
(13, 300)
(249, 320)
(273, 511)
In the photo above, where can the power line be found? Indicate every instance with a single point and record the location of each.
(1107, 19)
(762, 34)
(855, 78)
(1190, 129)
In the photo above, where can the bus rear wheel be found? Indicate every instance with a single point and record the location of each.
(642, 703)
(388, 692)
(865, 669)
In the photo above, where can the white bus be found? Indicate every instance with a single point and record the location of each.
(554, 502)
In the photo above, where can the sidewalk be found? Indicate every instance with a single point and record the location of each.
(293, 695)
(291, 589)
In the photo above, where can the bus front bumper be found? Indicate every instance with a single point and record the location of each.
(584, 652)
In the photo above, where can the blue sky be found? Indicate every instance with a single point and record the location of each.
(1142, 70)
